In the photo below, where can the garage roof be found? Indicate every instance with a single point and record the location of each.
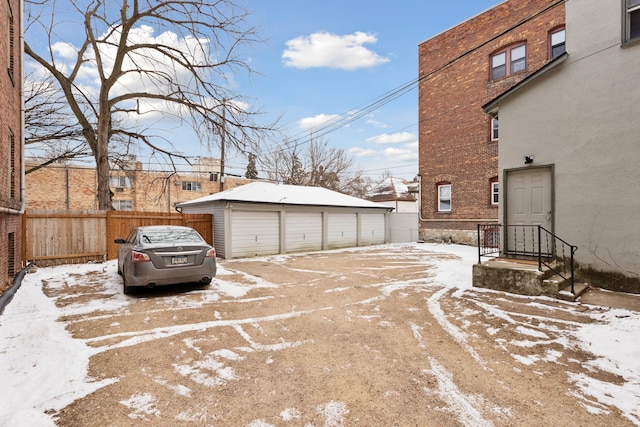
(268, 192)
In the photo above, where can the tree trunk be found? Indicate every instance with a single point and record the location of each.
(102, 160)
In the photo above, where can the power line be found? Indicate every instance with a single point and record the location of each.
(352, 115)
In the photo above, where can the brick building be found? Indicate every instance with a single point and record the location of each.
(74, 187)
(11, 166)
(460, 70)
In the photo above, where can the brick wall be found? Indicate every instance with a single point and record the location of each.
(10, 142)
(454, 132)
(74, 187)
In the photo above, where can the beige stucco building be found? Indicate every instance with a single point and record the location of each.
(569, 151)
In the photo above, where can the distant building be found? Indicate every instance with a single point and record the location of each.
(11, 138)
(460, 70)
(66, 186)
(398, 193)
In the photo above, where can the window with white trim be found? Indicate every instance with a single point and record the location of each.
(494, 129)
(632, 20)
(495, 192)
(509, 61)
(191, 186)
(120, 182)
(122, 205)
(557, 41)
(444, 198)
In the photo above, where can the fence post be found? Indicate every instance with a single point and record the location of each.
(479, 250)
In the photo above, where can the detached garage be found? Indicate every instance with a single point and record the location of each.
(265, 219)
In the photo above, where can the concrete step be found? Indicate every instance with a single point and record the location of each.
(579, 288)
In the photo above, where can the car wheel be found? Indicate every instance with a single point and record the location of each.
(128, 290)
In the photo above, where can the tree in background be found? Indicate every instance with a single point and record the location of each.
(315, 164)
(252, 171)
(135, 59)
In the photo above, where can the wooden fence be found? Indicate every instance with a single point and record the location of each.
(54, 237)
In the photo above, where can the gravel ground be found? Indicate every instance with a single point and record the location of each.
(363, 338)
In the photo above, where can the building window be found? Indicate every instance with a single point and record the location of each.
(509, 61)
(557, 41)
(494, 129)
(122, 205)
(191, 186)
(444, 198)
(495, 192)
(632, 20)
(120, 182)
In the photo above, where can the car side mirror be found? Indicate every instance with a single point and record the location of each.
(119, 241)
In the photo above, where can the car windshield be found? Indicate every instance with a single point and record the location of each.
(171, 236)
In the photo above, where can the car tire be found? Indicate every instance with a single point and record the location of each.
(128, 290)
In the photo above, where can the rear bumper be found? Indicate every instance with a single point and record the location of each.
(146, 275)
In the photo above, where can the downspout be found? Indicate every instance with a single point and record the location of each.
(22, 162)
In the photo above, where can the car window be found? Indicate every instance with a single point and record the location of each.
(132, 236)
(170, 236)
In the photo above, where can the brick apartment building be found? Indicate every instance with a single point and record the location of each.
(11, 168)
(73, 187)
(460, 70)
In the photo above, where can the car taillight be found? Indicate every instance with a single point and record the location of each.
(211, 253)
(139, 257)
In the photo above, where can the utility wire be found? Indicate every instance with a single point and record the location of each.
(350, 116)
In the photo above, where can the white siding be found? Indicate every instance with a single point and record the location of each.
(255, 233)
(303, 231)
(342, 230)
(371, 229)
(403, 227)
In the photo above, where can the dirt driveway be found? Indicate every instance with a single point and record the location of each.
(367, 338)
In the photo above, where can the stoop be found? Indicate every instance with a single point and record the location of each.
(523, 277)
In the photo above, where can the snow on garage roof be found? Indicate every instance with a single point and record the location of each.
(268, 192)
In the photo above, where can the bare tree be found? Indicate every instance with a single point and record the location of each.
(120, 70)
(315, 164)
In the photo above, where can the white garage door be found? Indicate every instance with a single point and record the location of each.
(371, 229)
(343, 230)
(303, 231)
(255, 233)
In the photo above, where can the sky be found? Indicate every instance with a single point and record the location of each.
(328, 60)
(34, 342)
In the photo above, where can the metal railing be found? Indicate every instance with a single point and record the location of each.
(532, 242)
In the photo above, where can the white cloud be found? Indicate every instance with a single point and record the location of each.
(377, 124)
(394, 138)
(362, 152)
(332, 51)
(316, 121)
(401, 154)
(64, 50)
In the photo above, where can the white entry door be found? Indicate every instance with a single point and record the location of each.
(528, 202)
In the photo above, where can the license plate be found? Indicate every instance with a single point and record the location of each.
(179, 260)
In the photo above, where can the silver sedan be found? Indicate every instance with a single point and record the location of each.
(160, 255)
